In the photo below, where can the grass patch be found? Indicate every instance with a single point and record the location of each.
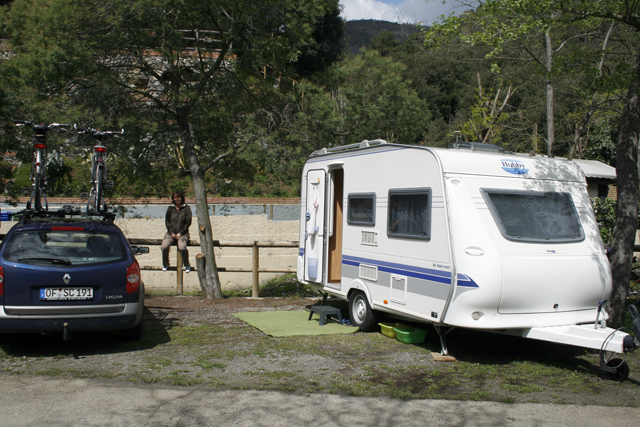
(50, 372)
(206, 364)
(158, 363)
(180, 378)
(281, 286)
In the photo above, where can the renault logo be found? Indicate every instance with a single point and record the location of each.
(66, 279)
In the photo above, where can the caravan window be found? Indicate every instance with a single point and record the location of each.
(535, 216)
(362, 209)
(409, 213)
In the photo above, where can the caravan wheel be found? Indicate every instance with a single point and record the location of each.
(361, 313)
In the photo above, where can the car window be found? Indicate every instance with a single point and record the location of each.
(65, 247)
(535, 216)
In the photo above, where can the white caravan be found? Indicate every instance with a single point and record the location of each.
(471, 237)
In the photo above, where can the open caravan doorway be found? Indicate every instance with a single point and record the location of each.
(334, 263)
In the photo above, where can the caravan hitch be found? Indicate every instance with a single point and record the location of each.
(618, 369)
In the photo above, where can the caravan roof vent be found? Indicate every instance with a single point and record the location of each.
(476, 146)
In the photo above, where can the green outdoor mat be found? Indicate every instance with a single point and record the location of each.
(291, 323)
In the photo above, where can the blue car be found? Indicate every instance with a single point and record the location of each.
(65, 275)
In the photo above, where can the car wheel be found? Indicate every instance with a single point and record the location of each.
(361, 313)
(133, 334)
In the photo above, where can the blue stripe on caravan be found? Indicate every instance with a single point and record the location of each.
(412, 271)
(405, 270)
(466, 281)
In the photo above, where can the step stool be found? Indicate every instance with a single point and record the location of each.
(324, 311)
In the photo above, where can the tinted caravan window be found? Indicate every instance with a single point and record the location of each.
(535, 216)
(409, 213)
(362, 209)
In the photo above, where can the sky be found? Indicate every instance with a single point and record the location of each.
(406, 11)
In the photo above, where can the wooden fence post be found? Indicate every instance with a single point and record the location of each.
(179, 272)
(255, 267)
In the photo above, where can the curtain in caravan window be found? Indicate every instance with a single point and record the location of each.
(362, 209)
(535, 216)
(409, 214)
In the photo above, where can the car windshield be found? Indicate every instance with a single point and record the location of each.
(535, 216)
(65, 247)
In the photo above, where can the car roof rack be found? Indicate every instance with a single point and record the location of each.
(65, 211)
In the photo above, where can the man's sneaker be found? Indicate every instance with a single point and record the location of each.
(165, 268)
(187, 269)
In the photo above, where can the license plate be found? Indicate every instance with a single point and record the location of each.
(65, 294)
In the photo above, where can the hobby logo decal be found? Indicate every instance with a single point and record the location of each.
(515, 167)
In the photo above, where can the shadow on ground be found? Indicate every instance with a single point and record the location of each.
(87, 343)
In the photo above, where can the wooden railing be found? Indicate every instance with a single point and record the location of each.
(255, 269)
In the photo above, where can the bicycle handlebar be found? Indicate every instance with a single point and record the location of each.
(41, 126)
(97, 133)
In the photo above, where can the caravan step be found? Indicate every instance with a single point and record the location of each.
(325, 311)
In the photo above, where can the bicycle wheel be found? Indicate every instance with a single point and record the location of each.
(92, 194)
(99, 200)
(37, 191)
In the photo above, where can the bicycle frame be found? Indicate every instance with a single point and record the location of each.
(96, 204)
(98, 179)
(38, 175)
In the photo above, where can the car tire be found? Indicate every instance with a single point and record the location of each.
(361, 313)
(133, 334)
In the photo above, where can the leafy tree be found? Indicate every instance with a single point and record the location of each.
(487, 114)
(180, 72)
(627, 13)
(602, 144)
(364, 97)
(525, 30)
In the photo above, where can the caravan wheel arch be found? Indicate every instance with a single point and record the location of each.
(359, 285)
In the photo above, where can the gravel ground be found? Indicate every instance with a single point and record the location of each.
(198, 344)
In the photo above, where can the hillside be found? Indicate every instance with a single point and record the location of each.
(359, 33)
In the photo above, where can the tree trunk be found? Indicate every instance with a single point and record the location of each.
(211, 286)
(550, 118)
(624, 231)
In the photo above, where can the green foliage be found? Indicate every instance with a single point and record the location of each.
(365, 97)
(546, 41)
(602, 143)
(606, 217)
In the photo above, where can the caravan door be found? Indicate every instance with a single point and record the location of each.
(314, 227)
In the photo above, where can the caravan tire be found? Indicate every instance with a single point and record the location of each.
(361, 313)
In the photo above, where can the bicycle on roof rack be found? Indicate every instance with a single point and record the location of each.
(38, 174)
(96, 204)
